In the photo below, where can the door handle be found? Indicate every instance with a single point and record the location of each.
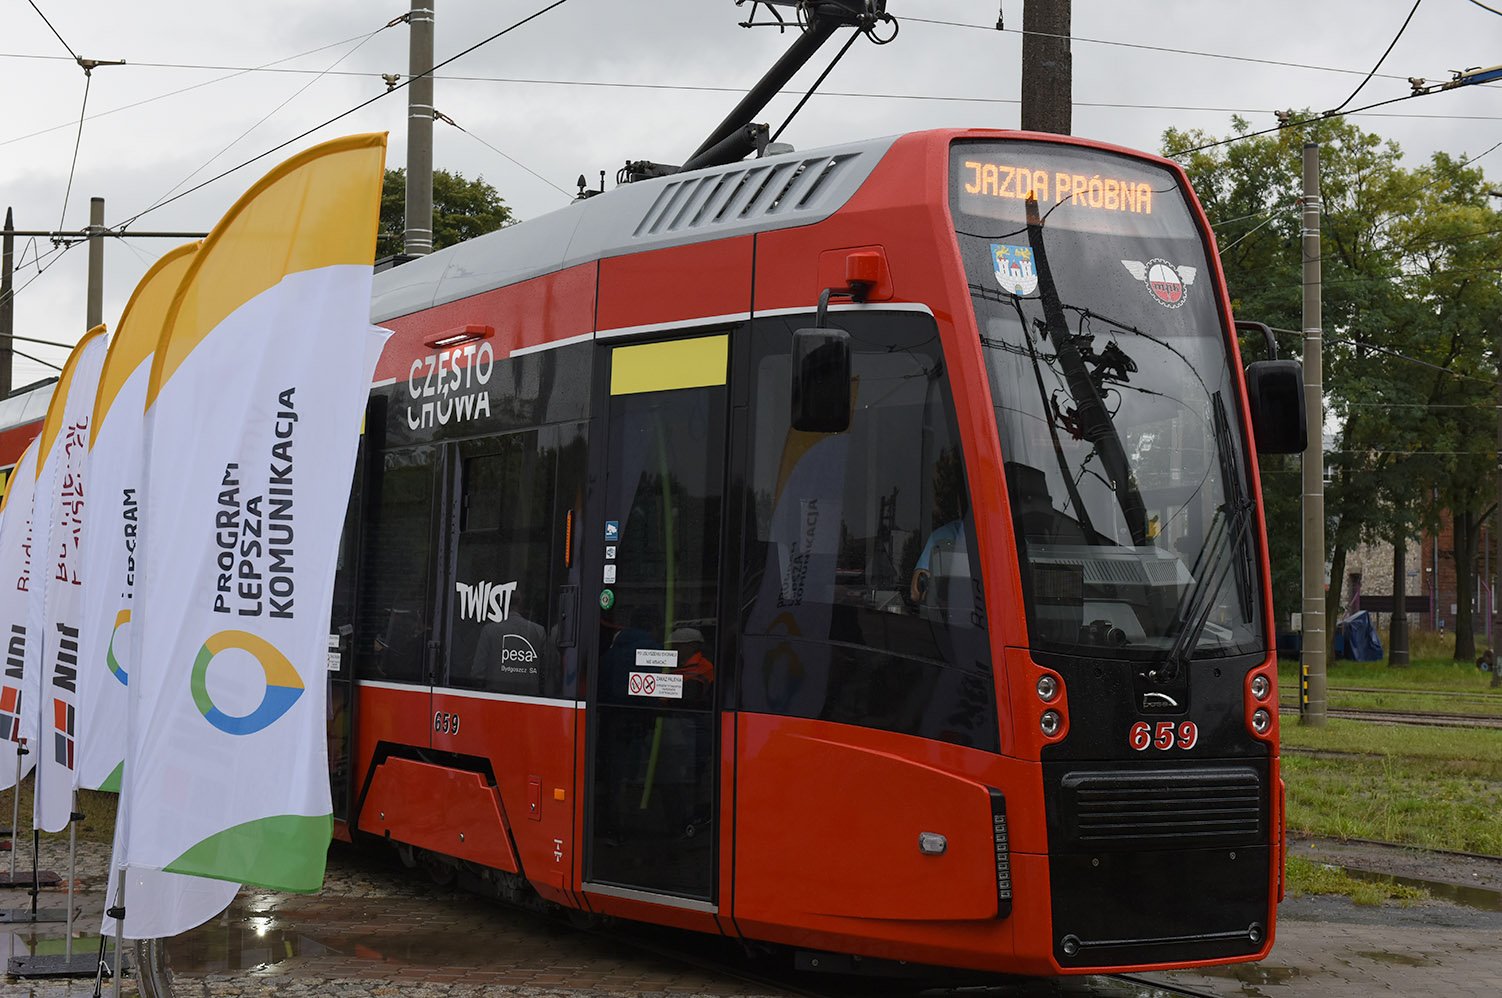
(568, 616)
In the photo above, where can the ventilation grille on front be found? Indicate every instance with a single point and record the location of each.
(753, 191)
(1194, 807)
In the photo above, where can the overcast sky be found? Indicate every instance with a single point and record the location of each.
(594, 82)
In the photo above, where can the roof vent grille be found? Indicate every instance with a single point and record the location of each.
(761, 189)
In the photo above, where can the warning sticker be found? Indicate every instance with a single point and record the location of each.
(664, 685)
(656, 658)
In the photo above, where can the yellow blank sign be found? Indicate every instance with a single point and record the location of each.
(662, 367)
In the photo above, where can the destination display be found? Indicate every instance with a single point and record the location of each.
(983, 179)
(1073, 188)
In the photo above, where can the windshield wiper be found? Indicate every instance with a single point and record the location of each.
(1211, 567)
(1095, 420)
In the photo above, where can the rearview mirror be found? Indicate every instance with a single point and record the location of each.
(821, 380)
(1275, 393)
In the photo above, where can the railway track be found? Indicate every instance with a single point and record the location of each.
(1431, 719)
(801, 977)
(1480, 696)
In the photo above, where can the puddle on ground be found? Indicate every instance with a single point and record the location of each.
(1472, 897)
(251, 942)
(1396, 959)
(1251, 973)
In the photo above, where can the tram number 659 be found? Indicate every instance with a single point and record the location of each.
(446, 723)
(1164, 735)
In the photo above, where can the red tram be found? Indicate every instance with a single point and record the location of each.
(932, 625)
(22, 413)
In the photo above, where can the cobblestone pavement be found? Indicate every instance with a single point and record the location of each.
(380, 930)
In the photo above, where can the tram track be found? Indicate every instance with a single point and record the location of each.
(1432, 719)
(791, 976)
(1480, 696)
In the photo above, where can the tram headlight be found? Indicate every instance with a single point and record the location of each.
(1260, 687)
(1261, 721)
(1048, 688)
(1050, 722)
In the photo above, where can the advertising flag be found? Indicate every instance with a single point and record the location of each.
(257, 390)
(15, 590)
(54, 615)
(111, 532)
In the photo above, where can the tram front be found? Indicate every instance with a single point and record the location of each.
(1148, 684)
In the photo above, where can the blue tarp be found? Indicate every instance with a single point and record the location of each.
(1356, 639)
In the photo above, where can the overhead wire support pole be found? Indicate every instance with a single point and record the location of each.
(94, 308)
(418, 240)
(1312, 646)
(7, 311)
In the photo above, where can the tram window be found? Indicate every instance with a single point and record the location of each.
(502, 583)
(395, 601)
(863, 540)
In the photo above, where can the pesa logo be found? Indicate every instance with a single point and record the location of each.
(518, 651)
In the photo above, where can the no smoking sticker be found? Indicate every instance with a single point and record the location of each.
(664, 686)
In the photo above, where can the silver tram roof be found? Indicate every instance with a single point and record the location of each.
(776, 192)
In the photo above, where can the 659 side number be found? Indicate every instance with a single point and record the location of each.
(446, 723)
(1164, 735)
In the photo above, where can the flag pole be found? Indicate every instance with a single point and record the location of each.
(15, 821)
(73, 817)
(118, 913)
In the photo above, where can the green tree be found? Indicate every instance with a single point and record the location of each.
(462, 209)
(1397, 247)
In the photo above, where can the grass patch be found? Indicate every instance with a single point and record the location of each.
(1455, 751)
(1308, 877)
(1438, 788)
(98, 809)
(1422, 674)
(1417, 700)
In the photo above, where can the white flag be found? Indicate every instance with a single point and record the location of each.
(55, 609)
(111, 531)
(15, 586)
(257, 391)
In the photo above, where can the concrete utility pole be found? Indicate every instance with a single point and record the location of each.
(1312, 650)
(1047, 67)
(7, 310)
(94, 308)
(419, 238)
(94, 233)
(1496, 602)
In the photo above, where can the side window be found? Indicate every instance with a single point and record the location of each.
(397, 591)
(862, 601)
(503, 569)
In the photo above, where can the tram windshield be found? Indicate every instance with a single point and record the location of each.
(1117, 406)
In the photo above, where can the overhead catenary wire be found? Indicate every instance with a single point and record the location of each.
(54, 30)
(344, 114)
(300, 90)
(694, 88)
(508, 157)
(1412, 360)
(1313, 119)
(237, 72)
(37, 360)
(77, 141)
(1367, 79)
(1166, 49)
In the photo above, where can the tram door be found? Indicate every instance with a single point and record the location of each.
(652, 703)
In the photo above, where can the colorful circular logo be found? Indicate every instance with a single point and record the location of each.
(121, 619)
(1166, 283)
(283, 685)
